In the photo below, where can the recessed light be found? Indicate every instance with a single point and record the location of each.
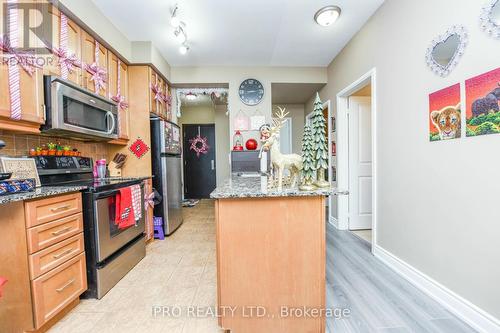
(183, 49)
(327, 15)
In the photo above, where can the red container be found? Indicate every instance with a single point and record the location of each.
(251, 144)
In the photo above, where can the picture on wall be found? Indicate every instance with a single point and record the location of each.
(445, 114)
(482, 103)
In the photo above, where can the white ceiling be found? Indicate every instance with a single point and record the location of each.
(294, 93)
(241, 33)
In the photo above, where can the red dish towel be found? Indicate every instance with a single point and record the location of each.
(124, 217)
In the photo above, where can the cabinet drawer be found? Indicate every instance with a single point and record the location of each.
(51, 257)
(53, 291)
(53, 208)
(48, 234)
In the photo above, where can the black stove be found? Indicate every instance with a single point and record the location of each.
(110, 252)
(76, 171)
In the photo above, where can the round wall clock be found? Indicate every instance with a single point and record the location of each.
(251, 91)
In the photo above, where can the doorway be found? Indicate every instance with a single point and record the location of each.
(199, 160)
(356, 157)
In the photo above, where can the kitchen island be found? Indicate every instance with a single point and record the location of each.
(270, 257)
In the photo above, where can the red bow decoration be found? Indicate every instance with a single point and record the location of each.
(98, 75)
(157, 91)
(69, 60)
(167, 99)
(3, 281)
(149, 200)
(26, 60)
(120, 100)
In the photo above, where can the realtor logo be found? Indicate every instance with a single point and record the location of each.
(30, 22)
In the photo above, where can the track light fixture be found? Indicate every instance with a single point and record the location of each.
(179, 32)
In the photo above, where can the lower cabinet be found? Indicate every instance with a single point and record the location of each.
(42, 260)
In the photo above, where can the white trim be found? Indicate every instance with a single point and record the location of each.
(462, 308)
(342, 146)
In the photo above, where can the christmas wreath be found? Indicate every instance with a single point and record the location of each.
(199, 145)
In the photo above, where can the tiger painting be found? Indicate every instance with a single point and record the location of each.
(448, 122)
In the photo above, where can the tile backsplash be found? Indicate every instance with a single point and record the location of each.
(20, 144)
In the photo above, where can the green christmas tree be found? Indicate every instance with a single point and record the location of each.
(320, 146)
(309, 165)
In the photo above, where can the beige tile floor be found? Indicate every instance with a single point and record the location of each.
(177, 273)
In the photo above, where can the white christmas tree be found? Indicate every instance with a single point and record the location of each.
(309, 163)
(320, 146)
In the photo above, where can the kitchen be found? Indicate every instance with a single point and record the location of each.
(161, 173)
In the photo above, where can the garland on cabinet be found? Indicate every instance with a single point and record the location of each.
(27, 61)
(67, 61)
(98, 74)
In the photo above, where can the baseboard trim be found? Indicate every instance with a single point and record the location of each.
(465, 310)
(333, 221)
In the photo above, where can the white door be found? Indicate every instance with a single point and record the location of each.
(286, 137)
(360, 163)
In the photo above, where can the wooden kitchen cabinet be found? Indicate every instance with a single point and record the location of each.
(160, 108)
(88, 49)
(73, 46)
(31, 92)
(124, 118)
(44, 262)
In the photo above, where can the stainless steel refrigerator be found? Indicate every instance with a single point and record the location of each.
(166, 164)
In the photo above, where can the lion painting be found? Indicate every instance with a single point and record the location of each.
(448, 122)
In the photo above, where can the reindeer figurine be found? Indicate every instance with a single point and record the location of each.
(279, 161)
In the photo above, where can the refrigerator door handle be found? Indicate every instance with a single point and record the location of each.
(213, 164)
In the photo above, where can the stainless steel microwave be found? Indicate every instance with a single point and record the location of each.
(71, 111)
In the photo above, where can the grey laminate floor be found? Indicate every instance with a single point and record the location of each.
(379, 300)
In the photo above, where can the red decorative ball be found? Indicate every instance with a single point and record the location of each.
(251, 144)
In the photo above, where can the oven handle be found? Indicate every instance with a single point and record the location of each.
(100, 195)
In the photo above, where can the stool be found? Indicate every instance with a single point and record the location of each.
(158, 228)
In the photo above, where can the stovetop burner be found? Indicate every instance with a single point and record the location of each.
(100, 184)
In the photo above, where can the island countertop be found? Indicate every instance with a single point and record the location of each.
(256, 187)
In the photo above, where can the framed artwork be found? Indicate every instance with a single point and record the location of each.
(21, 168)
(482, 96)
(445, 114)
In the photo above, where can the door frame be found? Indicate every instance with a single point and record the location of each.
(327, 104)
(181, 126)
(343, 149)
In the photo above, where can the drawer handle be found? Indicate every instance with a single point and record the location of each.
(57, 256)
(62, 231)
(56, 209)
(70, 282)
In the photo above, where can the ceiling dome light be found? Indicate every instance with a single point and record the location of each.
(183, 49)
(191, 97)
(327, 15)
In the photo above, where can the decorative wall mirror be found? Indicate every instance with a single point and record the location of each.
(490, 18)
(445, 51)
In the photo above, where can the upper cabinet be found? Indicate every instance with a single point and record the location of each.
(118, 90)
(94, 65)
(21, 91)
(65, 58)
(160, 95)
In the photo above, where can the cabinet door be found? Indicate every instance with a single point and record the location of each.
(31, 94)
(155, 104)
(113, 69)
(88, 57)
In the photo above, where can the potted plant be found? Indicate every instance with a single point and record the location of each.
(44, 151)
(38, 151)
(52, 148)
(32, 152)
(74, 152)
(59, 150)
(67, 150)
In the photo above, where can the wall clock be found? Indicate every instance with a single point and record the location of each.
(251, 92)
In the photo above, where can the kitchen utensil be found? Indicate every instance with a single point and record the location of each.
(5, 175)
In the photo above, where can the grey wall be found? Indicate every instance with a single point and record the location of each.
(437, 202)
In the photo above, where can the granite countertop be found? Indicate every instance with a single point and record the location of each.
(256, 187)
(40, 192)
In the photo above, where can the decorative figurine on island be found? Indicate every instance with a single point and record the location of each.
(307, 170)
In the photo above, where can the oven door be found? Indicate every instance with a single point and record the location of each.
(109, 238)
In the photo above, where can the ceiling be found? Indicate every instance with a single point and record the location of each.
(241, 33)
(293, 93)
